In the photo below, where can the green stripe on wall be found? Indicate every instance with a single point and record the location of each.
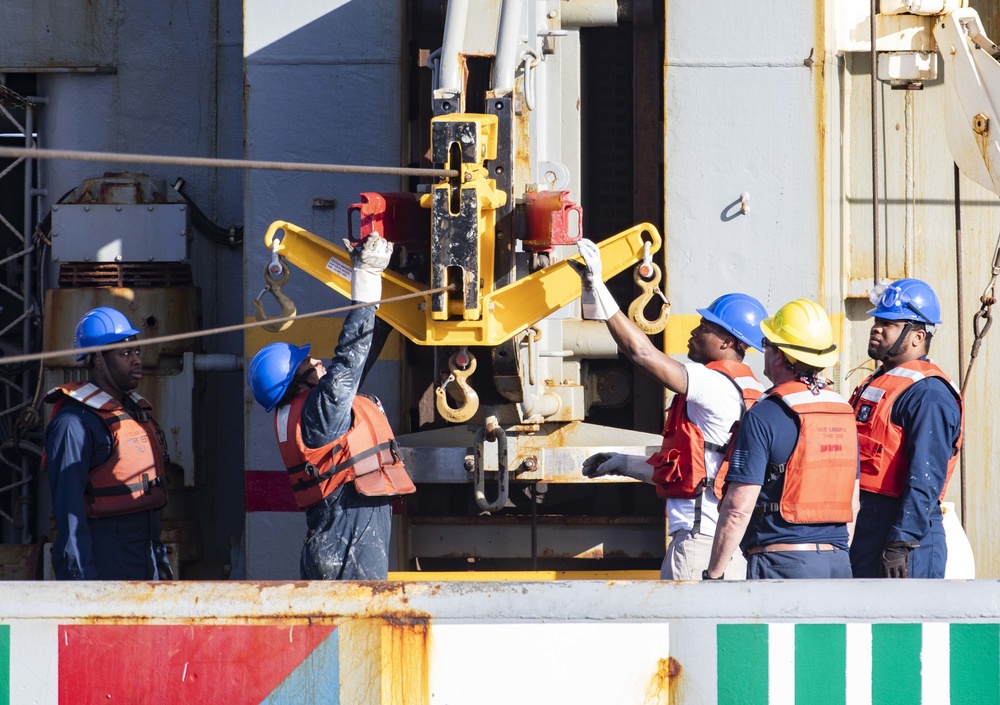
(896, 664)
(975, 664)
(821, 664)
(4, 664)
(742, 663)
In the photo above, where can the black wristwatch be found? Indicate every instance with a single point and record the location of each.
(704, 576)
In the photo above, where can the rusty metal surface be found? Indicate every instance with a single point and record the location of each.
(155, 311)
(20, 561)
(123, 188)
(408, 603)
(125, 274)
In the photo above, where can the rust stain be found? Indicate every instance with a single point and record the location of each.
(406, 647)
(818, 71)
(666, 685)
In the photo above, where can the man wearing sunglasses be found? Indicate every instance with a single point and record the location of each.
(336, 443)
(711, 393)
(792, 479)
(909, 417)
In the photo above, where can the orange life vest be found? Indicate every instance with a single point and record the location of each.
(366, 454)
(133, 478)
(679, 466)
(820, 473)
(884, 463)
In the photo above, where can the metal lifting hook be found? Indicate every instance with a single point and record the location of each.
(274, 286)
(491, 432)
(461, 364)
(650, 288)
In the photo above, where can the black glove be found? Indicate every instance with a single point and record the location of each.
(896, 559)
(704, 576)
(164, 570)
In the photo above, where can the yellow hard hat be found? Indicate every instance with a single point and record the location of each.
(801, 329)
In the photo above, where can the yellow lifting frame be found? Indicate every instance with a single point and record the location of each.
(507, 311)
(465, 208)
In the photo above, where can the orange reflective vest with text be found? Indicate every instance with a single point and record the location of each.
(884, 463)
(822, 469)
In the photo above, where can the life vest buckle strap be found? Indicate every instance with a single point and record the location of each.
(775, 471)
(355, 459)
(716, 447)
(761, 510)
(145, 486)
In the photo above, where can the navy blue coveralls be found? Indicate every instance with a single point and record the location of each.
(931, 421)
(122, 547)
(348, 537)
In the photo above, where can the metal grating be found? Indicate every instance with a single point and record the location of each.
(608, 124)
(125, 274)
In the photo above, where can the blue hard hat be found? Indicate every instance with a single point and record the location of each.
(739, 314)
(102, 326)
(272, 370)
(906, 300)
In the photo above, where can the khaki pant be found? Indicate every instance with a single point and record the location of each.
(688, 555)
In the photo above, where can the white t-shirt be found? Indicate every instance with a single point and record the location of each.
(713, 405)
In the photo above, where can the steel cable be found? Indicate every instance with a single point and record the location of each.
(983, 318)
(140, 342)
(76, 155)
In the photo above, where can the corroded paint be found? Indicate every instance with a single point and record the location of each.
(816, 62)
(418, 643)
(156, 311)
(665, 685)
(384, 661)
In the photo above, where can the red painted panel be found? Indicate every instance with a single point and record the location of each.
(179, 664)
(269, 491)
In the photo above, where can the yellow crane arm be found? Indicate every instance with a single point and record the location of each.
(504, 312)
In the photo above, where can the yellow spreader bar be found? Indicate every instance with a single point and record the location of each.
(504, 312)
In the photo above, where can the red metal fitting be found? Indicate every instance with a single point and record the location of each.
(548, 220)
(397, 217)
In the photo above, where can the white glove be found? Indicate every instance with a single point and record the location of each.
(598, 303)
(369, 260)
(634, 466)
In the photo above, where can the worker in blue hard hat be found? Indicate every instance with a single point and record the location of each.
(909, 416)
(106, 459)
(336, 444)
(711, 393)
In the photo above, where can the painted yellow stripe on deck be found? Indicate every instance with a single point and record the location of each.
(522, 575)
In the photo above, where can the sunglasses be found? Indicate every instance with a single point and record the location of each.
(765, 343)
